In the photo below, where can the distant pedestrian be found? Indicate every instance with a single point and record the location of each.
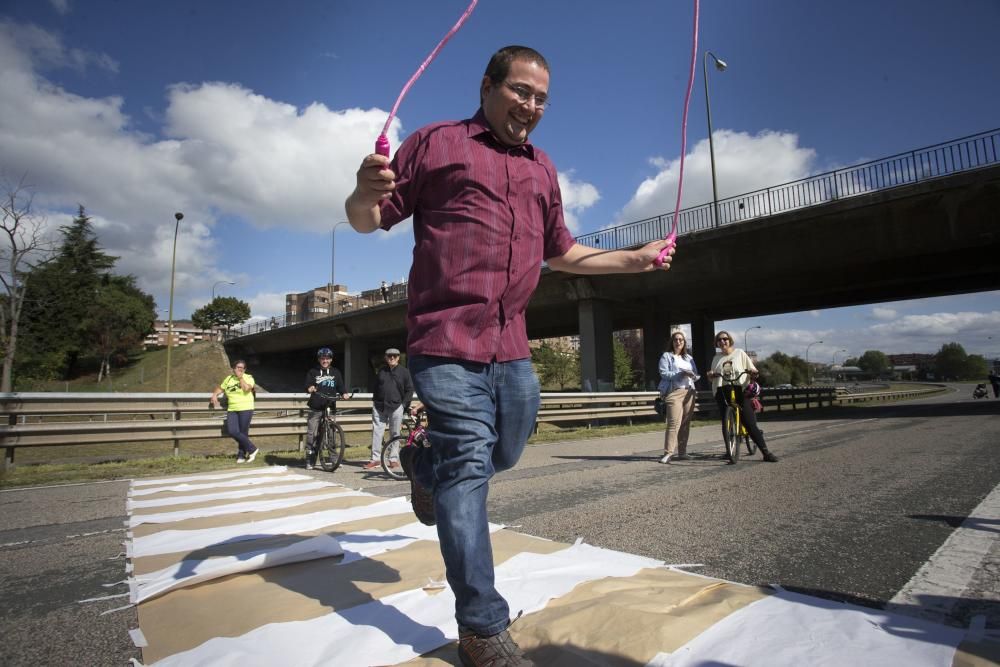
(239, 389)
(995, 382)
(393, 390)
(385, 292)
(678, 374)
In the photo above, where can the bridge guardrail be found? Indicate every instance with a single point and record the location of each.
(44, 419)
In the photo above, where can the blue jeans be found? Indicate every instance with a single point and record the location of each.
(480, 417)
(238, 425)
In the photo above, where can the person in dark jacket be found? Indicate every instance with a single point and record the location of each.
(393, 389)
(321, 381)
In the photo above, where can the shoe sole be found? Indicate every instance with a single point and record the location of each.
(421, 499)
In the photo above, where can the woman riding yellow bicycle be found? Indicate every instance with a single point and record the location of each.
(733, 365)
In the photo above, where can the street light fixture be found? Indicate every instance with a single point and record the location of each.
(746, 346)
(833, 362)
(808, 367)
(333, 259)
(220, 282)
(721, 66)
(170, 311)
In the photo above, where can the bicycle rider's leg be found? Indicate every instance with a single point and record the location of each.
(379, 420)
(312, 426)
(720, 400)
(750, 423)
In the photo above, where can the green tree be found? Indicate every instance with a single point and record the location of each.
(795, 368)
(874, 363)
(952, 363)
(556, 364)
(59, 297)
(772, 373)
(624, 375)
(223, 311)
(120, 318)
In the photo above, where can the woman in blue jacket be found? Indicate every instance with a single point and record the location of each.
(678, 374)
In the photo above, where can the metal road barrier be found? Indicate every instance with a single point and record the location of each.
(47, 419)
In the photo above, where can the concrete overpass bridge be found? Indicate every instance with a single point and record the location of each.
(924, 223)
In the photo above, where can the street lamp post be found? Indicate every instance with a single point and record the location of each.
(808, 367)
(746, 346)
(220, 282)
(833, 362)
(170, 311)
(721, 66)
(333, 259)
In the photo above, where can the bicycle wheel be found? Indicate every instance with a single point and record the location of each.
(390, 454)
(751, 445)
(731, 433)
(331, 446)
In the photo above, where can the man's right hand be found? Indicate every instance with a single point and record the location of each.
(375, 182)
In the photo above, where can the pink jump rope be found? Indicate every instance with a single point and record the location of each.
(671, 238)
(382, 143)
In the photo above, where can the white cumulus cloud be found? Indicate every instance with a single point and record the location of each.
(743, 163)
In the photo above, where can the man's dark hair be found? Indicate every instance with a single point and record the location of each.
(499, 66)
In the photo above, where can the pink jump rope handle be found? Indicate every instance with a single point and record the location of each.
(382, 143)
(671, 238)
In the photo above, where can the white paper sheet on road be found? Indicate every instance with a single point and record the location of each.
(236, 508)
(187, 487)
(202, 477)
(792, 629)
(255, 492)
(583, 605)
(170, 541)
(405, 625)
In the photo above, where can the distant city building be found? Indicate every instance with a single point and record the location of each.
(185, 332)
(323, 302)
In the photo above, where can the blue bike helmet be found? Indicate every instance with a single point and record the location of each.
(324, 352)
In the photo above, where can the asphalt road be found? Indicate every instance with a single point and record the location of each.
(861, 499)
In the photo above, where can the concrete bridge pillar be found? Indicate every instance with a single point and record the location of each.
(356, 366)
(655, 341)
(703, 345)
(597, 368)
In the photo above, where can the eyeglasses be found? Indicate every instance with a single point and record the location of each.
(523, 93)
(326, 358)
(723, 338)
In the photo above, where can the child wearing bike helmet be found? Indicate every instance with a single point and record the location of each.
(321, 381)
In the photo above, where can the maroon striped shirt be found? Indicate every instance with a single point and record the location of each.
(484, 218)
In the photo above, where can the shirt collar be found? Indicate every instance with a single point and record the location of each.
(478, 126)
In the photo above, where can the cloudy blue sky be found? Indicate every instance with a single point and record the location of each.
(251, 117)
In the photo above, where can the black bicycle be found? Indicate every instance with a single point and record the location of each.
(330, 440)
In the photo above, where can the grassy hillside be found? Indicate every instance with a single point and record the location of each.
(194, 368)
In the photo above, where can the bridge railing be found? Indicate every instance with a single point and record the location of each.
(965, 154)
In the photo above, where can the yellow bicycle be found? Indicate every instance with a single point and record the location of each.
(733, 428)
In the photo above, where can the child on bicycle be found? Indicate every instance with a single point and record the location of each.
(736, 361)
(321, 381)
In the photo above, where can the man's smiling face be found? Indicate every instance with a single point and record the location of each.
(510, 118)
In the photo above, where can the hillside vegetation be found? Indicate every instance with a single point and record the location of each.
(194, 368)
